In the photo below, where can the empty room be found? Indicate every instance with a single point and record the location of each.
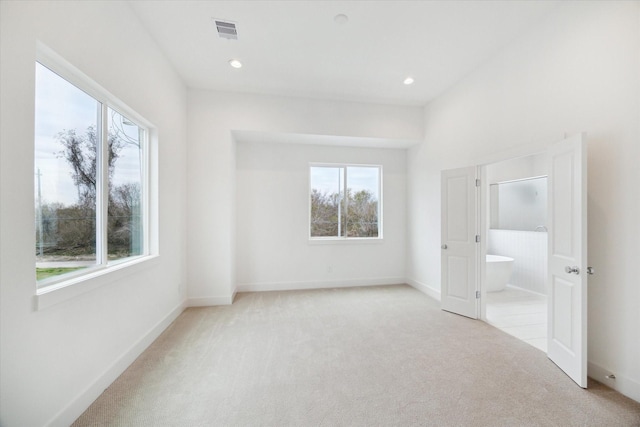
(319, 213)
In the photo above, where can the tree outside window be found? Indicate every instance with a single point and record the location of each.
(345, 201)
(89, 210)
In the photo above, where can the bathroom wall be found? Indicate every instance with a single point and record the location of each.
(519, 205)
(527, 248)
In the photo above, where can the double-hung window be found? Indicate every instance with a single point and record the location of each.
(345, 201)
(91, 178)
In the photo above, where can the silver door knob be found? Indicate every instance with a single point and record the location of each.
(574, 270)
(591, 270)
(444, 246)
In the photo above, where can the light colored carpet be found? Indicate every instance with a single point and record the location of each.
(375, 356)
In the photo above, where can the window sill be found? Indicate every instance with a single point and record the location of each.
(75, 286)
(349, 241)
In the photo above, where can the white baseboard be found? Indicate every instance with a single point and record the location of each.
(327, 284)
(210, 301)
(71, 412)
(425, 289)
(621, 383)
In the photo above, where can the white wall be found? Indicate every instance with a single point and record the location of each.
(55, 361)
(518, 168)
(577, 71)
(212, 116)
(272, 196)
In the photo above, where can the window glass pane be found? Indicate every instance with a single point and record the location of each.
(345, 201)
(363, 194)
(124, 229)
(66, 121)
(326, 196)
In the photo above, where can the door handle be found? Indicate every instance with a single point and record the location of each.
(574, 270)
(444, 246)
(591, 270)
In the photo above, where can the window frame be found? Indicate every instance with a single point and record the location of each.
(344, 239)
(58, 65)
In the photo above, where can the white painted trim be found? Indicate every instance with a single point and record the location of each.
(73, 410)
(425, 289)
(346, 240)
(321, 284)
(210, 301)
(68, 289)
(58, 289)
(342, 239)
(59, 65)
(323, 140)
(621, 383)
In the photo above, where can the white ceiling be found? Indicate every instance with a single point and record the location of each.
(295, 48)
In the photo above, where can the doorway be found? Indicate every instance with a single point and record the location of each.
(463, 244)
(515, 283)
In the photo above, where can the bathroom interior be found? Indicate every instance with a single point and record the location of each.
(516, 263)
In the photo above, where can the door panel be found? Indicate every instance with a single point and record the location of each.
(562, 296)
(458, 273)
(457, 204)
(563, 169)
(567, 311)
(459, 250)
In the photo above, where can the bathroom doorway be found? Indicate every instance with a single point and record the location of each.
(464, 229)
(516, 261)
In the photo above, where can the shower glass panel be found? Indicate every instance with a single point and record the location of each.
(519, 205)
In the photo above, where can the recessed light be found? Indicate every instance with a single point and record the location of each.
(341, 18)
(235, 63)
(408, 80)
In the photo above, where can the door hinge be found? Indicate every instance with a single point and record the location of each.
(477, 183)
(477, 294)
(477, 238)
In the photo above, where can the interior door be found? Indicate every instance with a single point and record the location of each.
(459, 248)
(567, 300)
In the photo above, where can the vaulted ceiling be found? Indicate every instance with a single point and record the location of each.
(303, 48)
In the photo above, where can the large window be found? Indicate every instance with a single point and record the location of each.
(90, 180)
(345, 201)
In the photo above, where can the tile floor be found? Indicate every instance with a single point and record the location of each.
(519, 313)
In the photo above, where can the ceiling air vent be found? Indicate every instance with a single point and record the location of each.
(226, 29)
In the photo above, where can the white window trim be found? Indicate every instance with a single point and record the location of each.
(331, 240)
(57, 289)
(74, 287)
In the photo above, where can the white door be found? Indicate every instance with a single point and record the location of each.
(459, 249)
(567, 298)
